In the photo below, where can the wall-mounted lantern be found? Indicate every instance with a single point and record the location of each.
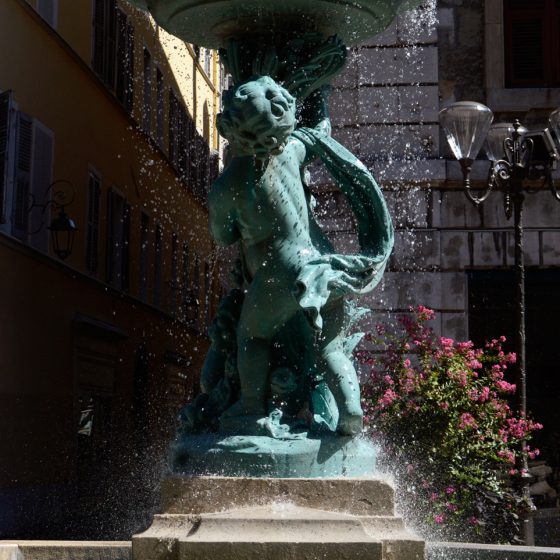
(59, 195)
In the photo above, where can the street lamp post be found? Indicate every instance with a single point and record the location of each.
(515, 154)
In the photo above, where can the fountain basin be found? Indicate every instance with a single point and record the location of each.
(212, 23)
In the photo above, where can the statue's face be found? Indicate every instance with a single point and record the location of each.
(259, 115)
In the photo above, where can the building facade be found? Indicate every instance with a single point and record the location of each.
(104, 113)
(449, 255)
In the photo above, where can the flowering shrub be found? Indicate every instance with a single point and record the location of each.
(440, 410)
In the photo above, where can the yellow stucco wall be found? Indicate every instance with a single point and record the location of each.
(92, 130)
(49, 72)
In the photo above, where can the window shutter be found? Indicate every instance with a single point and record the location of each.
(182, 141)
(47, 9)
(144, 250)
(111, 44)
(23, 176)
(158, 265)
(532, 43)
(99, 36)
(122, 56)
(42, 172)
(110, 268)
(6, 129)
(173, 109)
(147, 92)
(125, 251)
(129, 68)
(159, 108)
(92, 241)
(185, 292)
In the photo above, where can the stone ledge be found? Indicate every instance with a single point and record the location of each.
(65, 550)
(471, 551)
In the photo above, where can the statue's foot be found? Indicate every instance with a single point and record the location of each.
(350, 424)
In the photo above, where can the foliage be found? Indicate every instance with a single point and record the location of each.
(440, 410)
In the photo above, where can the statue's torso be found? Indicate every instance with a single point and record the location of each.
(271, 210)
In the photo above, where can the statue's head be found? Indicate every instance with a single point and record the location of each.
(258, 117)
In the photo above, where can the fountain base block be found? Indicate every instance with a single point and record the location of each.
(263, 456)
(258, 518)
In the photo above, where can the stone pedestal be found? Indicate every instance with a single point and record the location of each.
(210, 518)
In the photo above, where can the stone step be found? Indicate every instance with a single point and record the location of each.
(279, 522)
(356, 496)
(278, 528)
(210, 518)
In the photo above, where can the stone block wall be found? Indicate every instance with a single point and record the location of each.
(384, 108)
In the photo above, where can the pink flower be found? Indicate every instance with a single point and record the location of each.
(450, 490)
(425, 314)
(443, 405)
(533, 454)
(484, 394)
(473, 521)
(507, 455)
(451, 507)
(433, 497)
(388, 398)
(466, 421)
(439, 518)
(505, 386)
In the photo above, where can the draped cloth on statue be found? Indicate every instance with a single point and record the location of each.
(331, 276)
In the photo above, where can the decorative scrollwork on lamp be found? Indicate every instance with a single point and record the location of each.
(58, 195)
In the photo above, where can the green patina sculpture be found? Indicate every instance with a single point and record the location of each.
(294, 282)
(279, 368)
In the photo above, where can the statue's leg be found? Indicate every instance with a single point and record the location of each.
(340, 374)
(267, 307)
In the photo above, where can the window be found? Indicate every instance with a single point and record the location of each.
(118, 237)
(173, 128)
(7, 133)
(159, 108)
(532, 43)
(207, 62)
(195, 290)
(174, 281)
(158, 266)
(183, 142)
(113, 50)
(32, 177)
(144, 255)
(92, 240)
(207, 285)
(48, 10)
(491, 296)
(185, 291)
(147, 89)
(26, 171)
